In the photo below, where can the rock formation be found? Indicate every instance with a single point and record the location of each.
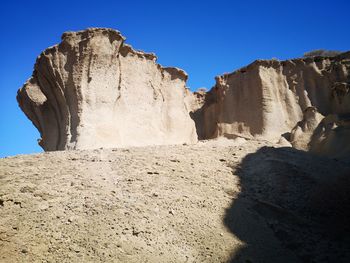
(268, 97)
(92, 90)
(301, 134)
(332, 137)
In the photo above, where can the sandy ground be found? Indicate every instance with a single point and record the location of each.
(216, 201)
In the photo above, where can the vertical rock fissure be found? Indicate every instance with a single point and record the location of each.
(120, 72)
(120, 78)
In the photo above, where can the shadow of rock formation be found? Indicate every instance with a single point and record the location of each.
(293, 207)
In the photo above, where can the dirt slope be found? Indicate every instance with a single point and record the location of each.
(216, 201)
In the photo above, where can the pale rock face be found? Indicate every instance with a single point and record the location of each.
(92, 90)
(283, 142)
(267, 98)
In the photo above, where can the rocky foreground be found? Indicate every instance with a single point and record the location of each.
(215, 201)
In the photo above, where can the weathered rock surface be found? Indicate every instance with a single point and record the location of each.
(267, 98)
(92, 90)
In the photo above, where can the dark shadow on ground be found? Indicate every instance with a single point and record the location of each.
(293, 207)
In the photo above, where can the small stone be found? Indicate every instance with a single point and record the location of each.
(135, 232)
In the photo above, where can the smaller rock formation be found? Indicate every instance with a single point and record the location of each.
(92, 90)
(332, 137)
(303, 131)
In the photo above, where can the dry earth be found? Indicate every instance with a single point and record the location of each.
(215, 201)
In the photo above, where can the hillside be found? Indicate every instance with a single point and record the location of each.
(215, 201)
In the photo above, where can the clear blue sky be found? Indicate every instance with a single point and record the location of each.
(205, 38)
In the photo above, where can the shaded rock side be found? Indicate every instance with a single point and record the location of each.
(303, 131)
(267, 98)
(93, 90)
(329, 135)
(332, 137)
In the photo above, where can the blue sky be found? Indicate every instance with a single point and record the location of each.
(205, 38)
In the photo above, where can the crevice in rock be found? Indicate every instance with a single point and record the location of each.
(120, 73)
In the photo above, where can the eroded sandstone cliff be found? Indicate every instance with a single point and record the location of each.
(92, 90)
(267, 98)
